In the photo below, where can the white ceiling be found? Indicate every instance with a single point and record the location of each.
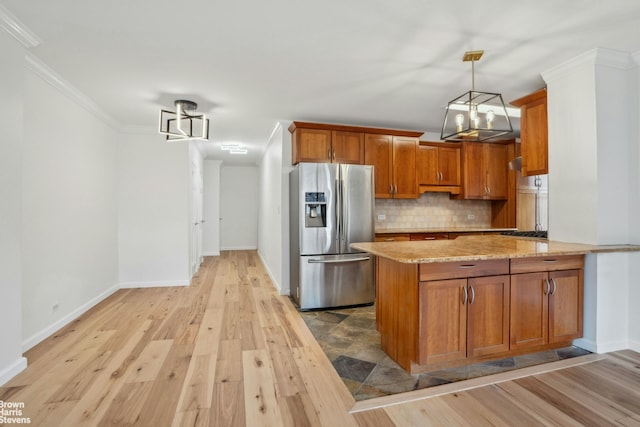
(250, 63)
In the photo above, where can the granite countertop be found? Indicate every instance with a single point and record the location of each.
(473, 248)
(441, 230)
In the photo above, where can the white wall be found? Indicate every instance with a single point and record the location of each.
(238, 207)
(573, 163)
(196, 196)
(211, 208)
(69, 228)
(273, 237)
(634, 209)
(592, 108)
(11, 107)
(153, 211)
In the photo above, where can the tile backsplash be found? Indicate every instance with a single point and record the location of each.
(432, 210)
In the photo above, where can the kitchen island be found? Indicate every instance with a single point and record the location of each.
(453, 302)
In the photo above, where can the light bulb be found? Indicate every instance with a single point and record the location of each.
(490, 118)
(473, 115)
(459, 122)
(473, 112)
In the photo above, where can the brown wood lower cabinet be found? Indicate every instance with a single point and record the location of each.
(440, 314)
(546, 307)
(463, 318)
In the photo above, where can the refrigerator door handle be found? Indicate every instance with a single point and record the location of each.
(343, 212)
(337, 261)
(338, 209)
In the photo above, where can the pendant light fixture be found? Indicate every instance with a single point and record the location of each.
(184, 124)
(475, 116)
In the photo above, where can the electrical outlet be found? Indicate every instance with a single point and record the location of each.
(382, 217)
(471, 216)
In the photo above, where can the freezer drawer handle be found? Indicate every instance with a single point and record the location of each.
(337, 261)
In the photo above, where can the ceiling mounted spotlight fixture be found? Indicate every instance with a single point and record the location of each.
(233, 148)
(475, 116)
(184, 124)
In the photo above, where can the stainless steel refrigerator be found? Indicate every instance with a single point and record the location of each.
(331, 206)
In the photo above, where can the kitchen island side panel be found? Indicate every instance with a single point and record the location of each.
(397, 300)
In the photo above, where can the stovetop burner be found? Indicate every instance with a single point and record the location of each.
(533, 233)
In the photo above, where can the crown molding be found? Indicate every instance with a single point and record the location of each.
(598, 56)
(47, 74)
(12, 25)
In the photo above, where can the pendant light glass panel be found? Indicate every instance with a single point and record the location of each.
(476, 116)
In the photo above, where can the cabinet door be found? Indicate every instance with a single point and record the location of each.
(534, 137)
(311, 145)
(449, 165)
(529, 310)
(473, 174)
(496, 169)
(565, 305)
(378, 152)
(347, 147)
(443, 321)
(404, 167)
(427, 165)
(488, 315)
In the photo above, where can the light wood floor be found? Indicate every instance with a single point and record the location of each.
(229, 350)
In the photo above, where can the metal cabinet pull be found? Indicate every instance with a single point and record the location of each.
(466, 295)
(548, 289)
(554, 286)
(473, 294)
(428, 238)
(389, 239)
(467, 266)
(549, 260)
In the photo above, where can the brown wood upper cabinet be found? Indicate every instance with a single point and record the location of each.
(533, 133)
(438, 167)
(394, 160)
(485, 171)
(326, 145)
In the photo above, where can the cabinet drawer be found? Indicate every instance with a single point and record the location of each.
(390, 237)
(429, 236)
(548, 263)
(461, 269)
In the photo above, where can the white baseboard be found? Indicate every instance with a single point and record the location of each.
(162, 284)
(211, 253)
(12, 370)
(273, 279)
(49, 330)
(634, 345)
(601, 347)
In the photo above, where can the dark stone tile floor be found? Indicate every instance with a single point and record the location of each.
(350, 340)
